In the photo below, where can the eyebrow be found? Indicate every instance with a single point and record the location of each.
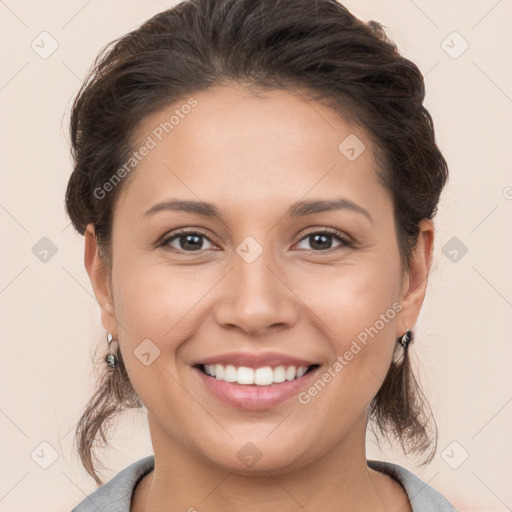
(299, 209)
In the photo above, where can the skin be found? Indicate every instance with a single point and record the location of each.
(253, 156)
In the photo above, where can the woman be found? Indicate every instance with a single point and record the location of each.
(256, 183)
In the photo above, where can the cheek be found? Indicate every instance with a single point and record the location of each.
(357, 312)
(153, 304)
(160, 308)
(152, 299)
(352, 297)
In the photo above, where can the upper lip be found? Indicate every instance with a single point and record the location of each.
(252, 360)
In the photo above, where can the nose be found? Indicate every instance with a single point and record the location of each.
(255, 296)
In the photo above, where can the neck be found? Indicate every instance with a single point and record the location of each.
(340, 480)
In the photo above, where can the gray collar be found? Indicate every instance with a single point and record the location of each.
(116, 495)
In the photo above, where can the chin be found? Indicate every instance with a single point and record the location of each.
(258, 458)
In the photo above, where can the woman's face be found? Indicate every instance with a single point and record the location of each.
(265, 283)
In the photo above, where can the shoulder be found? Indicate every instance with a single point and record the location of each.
(423, 498)
(116, 495)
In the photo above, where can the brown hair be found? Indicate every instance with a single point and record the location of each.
(296, 45)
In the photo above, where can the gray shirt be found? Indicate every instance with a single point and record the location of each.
(116, 495)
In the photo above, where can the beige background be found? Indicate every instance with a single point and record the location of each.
(50, 321)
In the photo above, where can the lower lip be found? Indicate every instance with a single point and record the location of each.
(253, 397)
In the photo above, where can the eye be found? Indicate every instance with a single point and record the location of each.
(192, 240)
(322, 240)
(187, 241)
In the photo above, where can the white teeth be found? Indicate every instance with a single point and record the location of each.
(291, 373)
(219, 372)
(261, 376)
(244, 375)
(301, 371)
(230, 374)
(279, 374)
(264, 376)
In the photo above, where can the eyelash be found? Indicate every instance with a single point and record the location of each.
(337, 234)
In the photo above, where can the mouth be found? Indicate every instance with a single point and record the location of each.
(262, 376)
(253, 389)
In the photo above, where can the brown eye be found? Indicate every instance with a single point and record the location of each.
(322, 240)
(187, 241)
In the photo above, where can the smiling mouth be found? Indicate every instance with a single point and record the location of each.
(263, 376)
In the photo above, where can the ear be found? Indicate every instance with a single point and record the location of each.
(416, 277)
(100, 280)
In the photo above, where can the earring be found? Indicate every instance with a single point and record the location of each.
(405, 339)
(111, 358)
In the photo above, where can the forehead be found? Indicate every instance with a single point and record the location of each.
(241, 149)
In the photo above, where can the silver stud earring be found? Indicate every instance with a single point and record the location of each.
(111, 358)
